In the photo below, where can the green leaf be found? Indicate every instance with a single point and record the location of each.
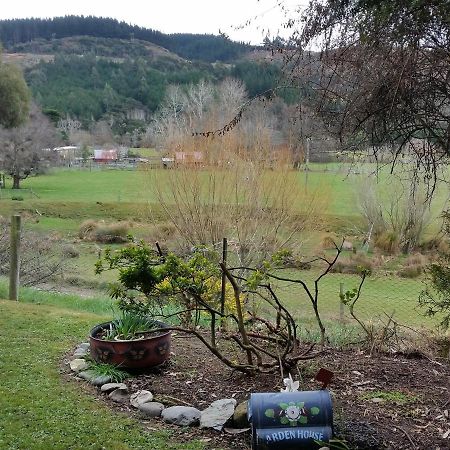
(284, 406)
(303, 420)
(315, 410)
(284, 420)
(270, 413)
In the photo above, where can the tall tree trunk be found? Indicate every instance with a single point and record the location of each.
(16, 182)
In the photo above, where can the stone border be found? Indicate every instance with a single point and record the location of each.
(215, 416)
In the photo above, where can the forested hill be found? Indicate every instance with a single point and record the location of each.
(208, 48)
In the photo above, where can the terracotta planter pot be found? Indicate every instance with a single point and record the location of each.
(139, 354)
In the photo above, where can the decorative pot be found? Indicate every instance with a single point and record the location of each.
(134, 354)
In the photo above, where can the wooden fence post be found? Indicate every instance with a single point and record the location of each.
(14, 267)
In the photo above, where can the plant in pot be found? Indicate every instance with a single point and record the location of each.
(134, 339)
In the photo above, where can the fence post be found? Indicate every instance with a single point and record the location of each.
(341, 303)
(14, 266)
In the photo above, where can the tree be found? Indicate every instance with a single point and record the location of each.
(15, 96)
(26, 149)
(382, 77)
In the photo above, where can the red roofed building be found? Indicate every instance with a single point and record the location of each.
(105, 156)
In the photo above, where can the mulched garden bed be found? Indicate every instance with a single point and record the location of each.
(380, 402)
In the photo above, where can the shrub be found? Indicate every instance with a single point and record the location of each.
(162, 232)
(413, 267)
(388, 242)
(412, 271)
(113, 233)
(70, 251)
(86, 228)
(353, 264)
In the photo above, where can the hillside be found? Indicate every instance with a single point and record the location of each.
(106, 47)
(123, 79)
(208, 48)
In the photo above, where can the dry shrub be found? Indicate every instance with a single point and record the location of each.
(113, 233)
(437, 244)
(397, 213)
(410, 271)
(414, 266)
(259, 209)
(417, 259)
(41, 255)
(86, 228)
(353, 264)
(70, 251)
(162, 232)
(328, 243)
(388, 242)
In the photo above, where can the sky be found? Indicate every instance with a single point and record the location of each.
(173, 16)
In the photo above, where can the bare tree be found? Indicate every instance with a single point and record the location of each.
(382, 76)
(41, 257)
(27, 149)
(397, 212)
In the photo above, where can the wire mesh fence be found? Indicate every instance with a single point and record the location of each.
(382, 296)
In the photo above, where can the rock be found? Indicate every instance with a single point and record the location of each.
(240, 419)
(84, 346)
(87, 375)
(80, 352)
(109, 387)
(93, 378)
(78, 365)
(119, 396)
(217, 413)
(100, 380)
(347, 245)
(377, 400)
(140, 397)
(181, 415)
(151, 409)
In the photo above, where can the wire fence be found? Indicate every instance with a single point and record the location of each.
(382, 296)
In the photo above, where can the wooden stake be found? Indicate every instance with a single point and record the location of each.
(14, 267)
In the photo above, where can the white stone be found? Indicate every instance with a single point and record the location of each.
(140, 397)
(78, 365)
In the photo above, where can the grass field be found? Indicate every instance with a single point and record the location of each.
(65, 198)
(68, 196)
(40, 410)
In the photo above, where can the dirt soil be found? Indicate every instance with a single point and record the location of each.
(380, 402)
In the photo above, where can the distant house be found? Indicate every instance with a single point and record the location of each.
(105, 156)
(189, 158)
(68, 153)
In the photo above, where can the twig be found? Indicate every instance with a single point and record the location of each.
(407, 435)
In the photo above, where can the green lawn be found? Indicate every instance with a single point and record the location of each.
(39, 408)
(380, 294)
(66, 197)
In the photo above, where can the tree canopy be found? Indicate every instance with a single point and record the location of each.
(203, 47)
(25, 149)
(14, 95)
(382, 77)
